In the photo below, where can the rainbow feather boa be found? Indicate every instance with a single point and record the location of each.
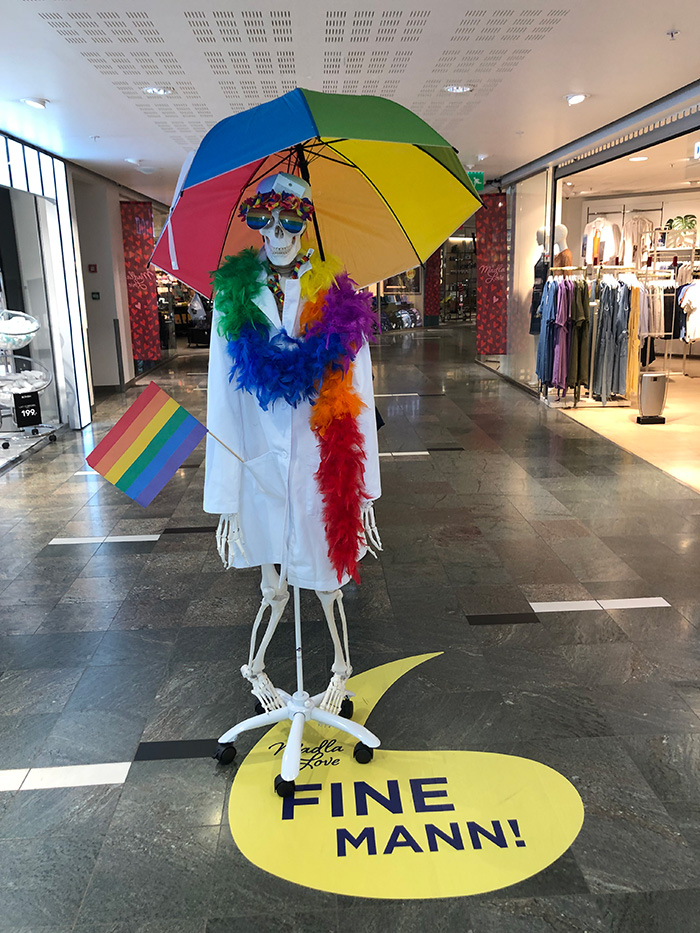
(313, 367)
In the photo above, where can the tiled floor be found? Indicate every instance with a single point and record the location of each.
(107, 644)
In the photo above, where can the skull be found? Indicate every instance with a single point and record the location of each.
(281, 247)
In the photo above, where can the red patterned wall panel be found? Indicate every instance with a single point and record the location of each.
(491, 276)
(137, 233)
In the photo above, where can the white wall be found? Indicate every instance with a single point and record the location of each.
(658, 207)
(99, 229)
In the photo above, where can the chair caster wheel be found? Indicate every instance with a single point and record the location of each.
(363, 754)
(284, 788)
(224, 754)
(35, 431)
(258, 708)
(52, 438)
(5, 445)
(347, 708)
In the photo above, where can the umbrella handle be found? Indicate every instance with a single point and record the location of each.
(304, 169)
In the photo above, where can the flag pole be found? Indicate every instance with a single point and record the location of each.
(226, 446)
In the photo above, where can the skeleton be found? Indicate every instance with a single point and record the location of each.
(282, 248)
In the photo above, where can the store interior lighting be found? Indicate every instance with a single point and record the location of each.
(38, 103)
(573, 99)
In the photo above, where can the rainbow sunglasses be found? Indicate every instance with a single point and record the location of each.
(258, 218)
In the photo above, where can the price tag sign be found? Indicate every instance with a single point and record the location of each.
(27, 409)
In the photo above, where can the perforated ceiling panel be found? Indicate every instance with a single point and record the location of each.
(214, 61)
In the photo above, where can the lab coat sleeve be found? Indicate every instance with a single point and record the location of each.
(224, 419)
(367, 421)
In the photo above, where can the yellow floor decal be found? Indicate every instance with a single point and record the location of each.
(406, 825)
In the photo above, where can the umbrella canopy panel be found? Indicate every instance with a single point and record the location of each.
(383, 203)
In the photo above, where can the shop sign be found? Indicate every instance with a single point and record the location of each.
(27, 409)
(696, 150)
(410, 824)
(477, 179)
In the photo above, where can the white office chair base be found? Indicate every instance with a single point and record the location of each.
(299, 708)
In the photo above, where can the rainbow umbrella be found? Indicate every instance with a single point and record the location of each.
(387, 189)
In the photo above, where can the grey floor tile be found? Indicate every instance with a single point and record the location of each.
(239, 888)
(91, 737)
(670, 763)
(72, 812)
(288, 922)
(188, 792)
(50, 650)
(43, 880)
(117, 647)
(117, 688)
(24, 692)
(153, 874)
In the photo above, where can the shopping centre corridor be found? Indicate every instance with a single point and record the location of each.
(494, 510)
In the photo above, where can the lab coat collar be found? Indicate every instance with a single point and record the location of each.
(292, 294)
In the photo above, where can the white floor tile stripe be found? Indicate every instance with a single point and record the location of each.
(122, 538)
(398, 395)
(12, 780)
(574, 605)
(77, 540)
(583, 605)
(110, 539)
(407, 453)
(87, 473)
(76, 775)
(639, 603)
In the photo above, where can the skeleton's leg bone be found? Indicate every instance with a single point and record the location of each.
(275, 596)
(335, 692)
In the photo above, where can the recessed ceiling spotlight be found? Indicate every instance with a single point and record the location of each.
(570, 184)
(573, 99)
(39, 103)
(482, 156)
(457, 88)
(157, 91)
(639, 158)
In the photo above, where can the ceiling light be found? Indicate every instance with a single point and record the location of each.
(639, 158)
(482, 156)
(457, 88)
(570, 184)
(157, 91)
(573, 99)
(39, 103)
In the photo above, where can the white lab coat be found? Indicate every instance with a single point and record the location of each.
(275, 494)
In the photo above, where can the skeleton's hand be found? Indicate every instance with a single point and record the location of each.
(228, 539)
(372, 539)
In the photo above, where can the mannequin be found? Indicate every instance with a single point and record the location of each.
(562, 253)
(539, 278)
(303, 498)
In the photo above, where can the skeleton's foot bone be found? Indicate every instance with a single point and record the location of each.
(335, 693)
(262, 689)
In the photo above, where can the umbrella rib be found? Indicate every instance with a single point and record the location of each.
(450, 172)
(250, 181)
(369, 181)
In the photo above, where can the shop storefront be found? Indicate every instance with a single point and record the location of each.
(400, 300)
(43, 345)
(603, 285)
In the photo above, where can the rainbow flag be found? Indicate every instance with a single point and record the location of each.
(147, 445)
